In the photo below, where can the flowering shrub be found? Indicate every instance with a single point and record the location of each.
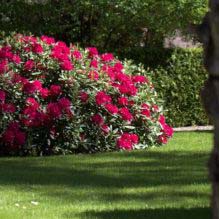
(60, 99)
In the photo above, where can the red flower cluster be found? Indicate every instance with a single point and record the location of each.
(2, 96)
(125, 114)
(127, 86)
(111, 108)
(62, 53)
(46, 81)
(102, 98)
(166, 129)
(6, 107)
(42, 106)
(13, 136)
(127, 141)
(83, 96)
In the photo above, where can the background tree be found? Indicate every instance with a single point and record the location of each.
(109, 25)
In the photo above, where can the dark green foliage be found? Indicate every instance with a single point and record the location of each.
(179, 84)
(108, 25)
(150, 56)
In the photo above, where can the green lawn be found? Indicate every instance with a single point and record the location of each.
(160, 183)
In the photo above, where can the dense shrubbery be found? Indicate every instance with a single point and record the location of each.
(131, 29)
(179, 84)
(108, 25)
(178, 76)
(58, 99)
(151, 57)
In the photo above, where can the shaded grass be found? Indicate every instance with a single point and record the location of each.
(167, 182)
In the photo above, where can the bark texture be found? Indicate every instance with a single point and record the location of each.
(209, 35)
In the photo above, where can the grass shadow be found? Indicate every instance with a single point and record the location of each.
(193, 213)
(146, 169)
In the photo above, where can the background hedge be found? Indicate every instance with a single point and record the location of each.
(179, 84)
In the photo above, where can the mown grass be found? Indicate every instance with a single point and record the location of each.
(160, 183)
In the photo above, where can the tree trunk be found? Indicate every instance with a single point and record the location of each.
(209, 35)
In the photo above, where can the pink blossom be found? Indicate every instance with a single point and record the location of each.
(131, 137)
(146, 113)
(64, 103)
(118, 67)
(123, 101)
(61, 47)
(131, 102)
(124, 144)
(127, 140)
(54, 110)
(47, 40)
(8, 136)
(37, 48)
(27, 49)
(105, 128)
(29, 39)
(66, 65)
(55, 90)
(134, 138)
(110, 72)
(57, 54)
(83, 96)
(16, 59)
(44, 92)
(97, 119)
(5, 52)
(31, 87)
(14, 125)
(162, 119)
(3, 66)
(61, 52)
(37, 84)
(128, 88)
(139, 79)
(93, 75)
(77, 55)
(155, 108)
(8, 107)
(125, 114)
(33, 117)
(111, 108)
(30, 101)
(20, 138)
(124, 78)
(102, 98)
(146, 110)
(29, 65)
(107, 57)
(2, 96)
(168, 130)
(94, 63)
(145, 106)
(13, 136)
(93, 52)
(30, 112)
(16, 78)
(162, 139)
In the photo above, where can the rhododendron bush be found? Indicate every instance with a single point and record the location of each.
(60, 99)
